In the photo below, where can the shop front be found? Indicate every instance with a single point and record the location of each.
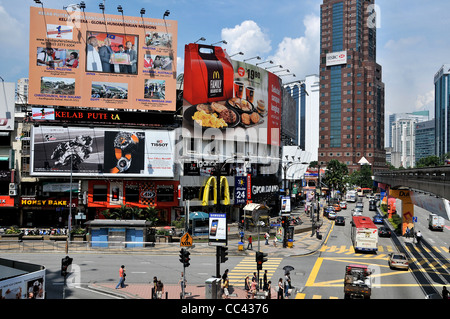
(46, 212)
(114, 194)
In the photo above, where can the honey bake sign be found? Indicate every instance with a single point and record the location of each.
(231, 100)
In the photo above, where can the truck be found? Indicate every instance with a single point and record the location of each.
(436, 222)
(357, 282)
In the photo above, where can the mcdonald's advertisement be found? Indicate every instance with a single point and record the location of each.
(229, 99)
(83, 151)
(81, 59)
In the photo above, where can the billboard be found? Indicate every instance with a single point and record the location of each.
(7, 94)
(80, 59)
(229, 99)
(83, 151)
(337, 58)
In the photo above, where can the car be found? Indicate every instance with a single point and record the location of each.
(360, 205)
(337, 207)
(343, 204)
(327, 210)
(384, 232)
(398, 260)
(357, 211)
(340, 220)
(331, 215)
(378, 219)
(372, 205)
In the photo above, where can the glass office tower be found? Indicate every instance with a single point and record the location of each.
(351, 89)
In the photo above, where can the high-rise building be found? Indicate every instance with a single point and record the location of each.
(425, 136)
(442, 110)
(306, 95)
(351, 89)
(420, 116)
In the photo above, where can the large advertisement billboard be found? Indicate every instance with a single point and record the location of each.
(7, 93)
(83, 151)
(80, 59)
(229, 99)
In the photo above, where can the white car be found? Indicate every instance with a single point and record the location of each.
(332, 215)
(356, 212)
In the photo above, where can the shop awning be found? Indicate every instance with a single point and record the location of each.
(255, 206)
(198, 215)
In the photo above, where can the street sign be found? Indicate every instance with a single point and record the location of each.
(414, 219)
(186, 240)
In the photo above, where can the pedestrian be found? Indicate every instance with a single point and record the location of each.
(419, 236)
(159, 289)
(182, 281)
(269, 290)
(122, 275)
(286, 288)
(444, 293)
(253, 286)
(225, 288)
(247, 286)
(155, 281)
(280, 289)
(241, 233)
(265, 283)
(275, 242)
(266, 236)
(225, 274)
(250, 240)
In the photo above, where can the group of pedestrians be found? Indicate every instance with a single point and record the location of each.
(158, 286)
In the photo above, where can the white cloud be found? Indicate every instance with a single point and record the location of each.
(425, 101)
(301, 55)
(248, 38)
(11, 29)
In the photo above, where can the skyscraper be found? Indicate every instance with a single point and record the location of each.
(442, 110)
(351, 89)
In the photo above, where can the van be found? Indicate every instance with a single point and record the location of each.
(436, 222)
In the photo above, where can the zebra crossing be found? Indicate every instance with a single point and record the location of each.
(349, 250)
(247, 267)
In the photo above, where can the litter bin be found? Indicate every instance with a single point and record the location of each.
(290, 243)
(212, 288)
(240, 246)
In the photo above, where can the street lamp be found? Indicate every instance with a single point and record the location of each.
(240, 53)
(201, 39)
(166, 14)
(274, 66)
(222, 41)
(269, 61)
(281, 71)
(255, 57)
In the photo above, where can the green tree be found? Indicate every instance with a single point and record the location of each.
(429, 161)
(335, 175)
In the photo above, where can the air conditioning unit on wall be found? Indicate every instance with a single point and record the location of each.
(12, 192)
(12, 186)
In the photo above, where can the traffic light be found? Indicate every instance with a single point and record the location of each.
(65, 263)
(182, 254)
(186, 259)
(260, 259)
(223, 254)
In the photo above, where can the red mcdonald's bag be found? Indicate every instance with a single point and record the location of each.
(208, 74)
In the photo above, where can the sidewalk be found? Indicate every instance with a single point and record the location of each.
(304, 243)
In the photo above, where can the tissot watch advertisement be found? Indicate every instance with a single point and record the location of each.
(111, 152)
(217, 229)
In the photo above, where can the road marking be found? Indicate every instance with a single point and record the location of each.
(247, 267)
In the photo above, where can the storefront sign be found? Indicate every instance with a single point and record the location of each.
(240, 190)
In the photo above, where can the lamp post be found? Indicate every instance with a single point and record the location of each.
(271, 67)
(201, 39)
(288, 165)
(222, 41)
(255, 57)
(269, 61)
(240, 53)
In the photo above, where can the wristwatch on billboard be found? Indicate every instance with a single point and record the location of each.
(125, 144)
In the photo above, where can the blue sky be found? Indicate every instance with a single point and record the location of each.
(412, 41)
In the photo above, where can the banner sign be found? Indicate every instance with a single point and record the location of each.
(240, 190)
(229, 99)
(218, 229)
(82, 151)
(92, 60)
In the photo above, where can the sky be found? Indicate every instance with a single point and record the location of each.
(412, 41)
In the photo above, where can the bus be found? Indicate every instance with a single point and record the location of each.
(362, 191)
(351, 196)
(364, 234)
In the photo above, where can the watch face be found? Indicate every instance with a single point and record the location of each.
(124, 152)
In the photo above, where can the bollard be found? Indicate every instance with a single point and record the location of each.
(240, 246)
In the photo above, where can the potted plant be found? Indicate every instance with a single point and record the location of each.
(78, 234)
(13, 233)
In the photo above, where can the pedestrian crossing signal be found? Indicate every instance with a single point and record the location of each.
(260, 259)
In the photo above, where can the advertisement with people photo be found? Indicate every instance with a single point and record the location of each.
(86, 49)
